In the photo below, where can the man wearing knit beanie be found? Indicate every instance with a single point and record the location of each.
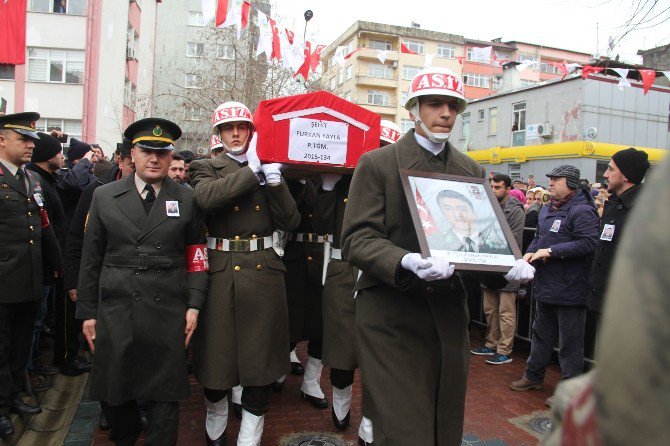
(624, 173)
(47, 158)
(76, 176)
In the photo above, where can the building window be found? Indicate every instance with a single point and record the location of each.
(193, 80)
(534, 62)
(546, 68)
(493, 120)
(472, 57)
(129, 95)
(192, 114)
(195, 49)
(406, 125)
(195, 18)
(519, 115)
(333, 83)
(74, 7)
(60, 66)
(409, 71)
(71, 127)
(340, 76)
(514, 171)
(480, 115)
(446, 51)
(376, 97)
(414, 45)
(380, 71)
(476, 80)
(403, 98)
(382, 45)
(132, 43)
(528, 83)
(349, 72)
(465, 125)
(6, 71)
(225, 52)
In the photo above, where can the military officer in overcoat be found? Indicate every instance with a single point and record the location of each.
(411, 312)
(243, 335)
(339, 306)
(25, 237)
(141, 285)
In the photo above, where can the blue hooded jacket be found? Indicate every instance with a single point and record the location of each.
(571, 232)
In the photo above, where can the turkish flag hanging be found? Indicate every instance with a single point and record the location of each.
(648, 77)
(590, 69)
(13, 32)
(404, 49)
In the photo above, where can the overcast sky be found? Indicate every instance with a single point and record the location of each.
(582, 25)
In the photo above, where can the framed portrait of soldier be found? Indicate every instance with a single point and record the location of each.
(459, 218)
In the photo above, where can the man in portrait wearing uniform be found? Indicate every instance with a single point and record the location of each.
(141, 285)
(243, 335)
(411, 312)
(338, 304)
(25, 237)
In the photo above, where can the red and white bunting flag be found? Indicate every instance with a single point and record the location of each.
(561, 68)
(315, 57)
(572, 67)
(623, 74)
(264, 35)
(590, 69)
(648, 77)
(347, 56)
(404, 49)
(381, 55)
(339, 55)
(233, 12)
(482, 55)
(460, 59)
(427, 220)
(429, 60)
(276, 45)
(666, 74)
(523, 65)
(13, 32)
(304, 68)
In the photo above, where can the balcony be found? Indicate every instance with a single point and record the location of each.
(364, 79)
(371, 53)
(382, 108)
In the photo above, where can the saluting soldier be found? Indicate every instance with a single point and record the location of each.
(339, 306)
(25, 236)
(244, 329)
(141, 285)
(411, 312)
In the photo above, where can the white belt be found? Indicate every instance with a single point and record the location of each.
(336, 254)
(239, 245)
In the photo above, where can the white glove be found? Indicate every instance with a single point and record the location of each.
(272, 172)
(329, 180)
(432, 268)
(522, 271)
(252, 156)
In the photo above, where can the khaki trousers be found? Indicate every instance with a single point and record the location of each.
(500, 312)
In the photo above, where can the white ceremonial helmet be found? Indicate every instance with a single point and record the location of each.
(390, 132)
(232, 111)
(434, 81)
(215, 143)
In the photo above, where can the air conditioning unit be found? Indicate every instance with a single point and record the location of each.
(545, 130)
(394, 64)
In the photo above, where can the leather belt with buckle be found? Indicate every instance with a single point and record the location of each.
(239, 245)
(309, 237)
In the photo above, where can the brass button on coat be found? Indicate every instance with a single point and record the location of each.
(236, 209)
(259, 267)
(136, 296)
(345, 199)
(258, 208)
(237, 268)
(309, 258)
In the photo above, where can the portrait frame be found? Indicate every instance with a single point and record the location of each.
(492, 246)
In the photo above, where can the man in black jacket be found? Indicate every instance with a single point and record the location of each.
(624, 173)
(76, 176)
(47, 158)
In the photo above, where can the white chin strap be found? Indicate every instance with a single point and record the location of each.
(238, 150)
(435, 137)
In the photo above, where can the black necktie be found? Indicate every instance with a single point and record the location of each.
(470, 244)
(151, 193)
(21, 179)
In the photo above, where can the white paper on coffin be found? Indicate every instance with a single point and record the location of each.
(316, 141)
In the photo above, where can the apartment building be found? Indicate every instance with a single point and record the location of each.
(381, 86)
(199, 66)
(86, 62)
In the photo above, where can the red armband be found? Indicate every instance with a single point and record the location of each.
(45, 218)
(196, 258)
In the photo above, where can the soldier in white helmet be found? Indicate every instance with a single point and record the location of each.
(244, 328)
(338, 305)
(411, 313)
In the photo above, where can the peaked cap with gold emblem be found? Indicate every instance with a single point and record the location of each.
(153, 133)
(23, 123)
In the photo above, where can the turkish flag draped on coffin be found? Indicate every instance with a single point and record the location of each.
(13, 32)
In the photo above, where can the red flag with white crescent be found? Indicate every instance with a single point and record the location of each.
(276, 45)
(315, 57)
(427, 220)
